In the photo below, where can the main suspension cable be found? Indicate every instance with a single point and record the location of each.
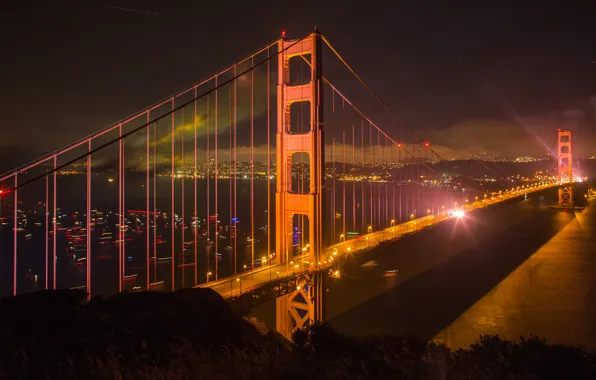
(145, 125)
(377, 97)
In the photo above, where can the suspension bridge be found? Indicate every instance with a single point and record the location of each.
(252, 182)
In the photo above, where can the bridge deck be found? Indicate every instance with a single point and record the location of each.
(255, 278)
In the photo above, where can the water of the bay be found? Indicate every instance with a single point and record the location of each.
(513, 270)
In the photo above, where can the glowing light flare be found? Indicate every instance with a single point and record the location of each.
(458, 214)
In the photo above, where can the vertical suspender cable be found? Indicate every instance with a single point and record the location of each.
(154, 202)
(235, 175)
(194, 176)
(147, 213)
(88, 220)
(333, 234)
(252, 162)
(269, 161)
(353, 182)
(400, 182)
(123, 225)
(47, 273)
(54, 226)
(215, 149)
(15, 236)
(120, 228)
(173, 195)
(343, 211)
(231, 183)
(182, 164)
(389, 211)
(362, 187)
(208, 246)
(371, 154)
(379, 149)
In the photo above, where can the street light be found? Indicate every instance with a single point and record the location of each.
(369, 229)
(459, 213)
(341, 238)
(239, 283)
(245, 267)
(393, 222)
(208, 274)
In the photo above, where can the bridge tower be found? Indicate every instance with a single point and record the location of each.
(304, 305)
(564, 169)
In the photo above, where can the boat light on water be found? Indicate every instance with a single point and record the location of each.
(371, 263)
(391, 273)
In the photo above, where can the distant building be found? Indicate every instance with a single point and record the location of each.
(525, 159)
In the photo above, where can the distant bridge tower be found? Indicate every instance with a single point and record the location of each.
(565, 171)
(304, 305)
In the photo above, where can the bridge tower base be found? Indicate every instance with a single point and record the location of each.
(300, 308)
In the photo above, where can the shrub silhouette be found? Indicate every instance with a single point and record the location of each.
(193, 334)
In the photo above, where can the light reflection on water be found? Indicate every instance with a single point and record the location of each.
(516, 270)
(552, 294)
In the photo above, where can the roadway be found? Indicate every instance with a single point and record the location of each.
(251, 279)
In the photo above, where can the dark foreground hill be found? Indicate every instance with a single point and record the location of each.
(193, 334)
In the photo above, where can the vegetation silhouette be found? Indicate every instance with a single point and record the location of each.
(194, 334)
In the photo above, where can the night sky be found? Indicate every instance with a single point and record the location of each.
(469, 77)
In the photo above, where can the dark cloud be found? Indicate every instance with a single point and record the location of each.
(531, 135)
(74, 67)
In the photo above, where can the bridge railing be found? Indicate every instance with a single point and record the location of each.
(276, 281)
(369, 240)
